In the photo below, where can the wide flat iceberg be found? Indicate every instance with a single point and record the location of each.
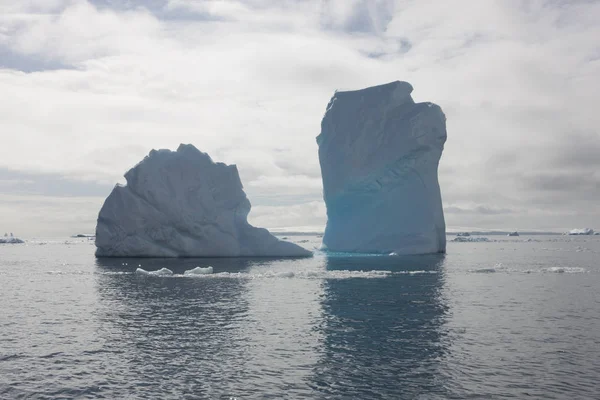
(6, 239)
(584, 231)
(379, 153)
(182, 204)
(10, 240)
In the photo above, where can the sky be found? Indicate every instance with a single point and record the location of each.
(89, 87)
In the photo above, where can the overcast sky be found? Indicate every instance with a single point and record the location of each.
(90, 86)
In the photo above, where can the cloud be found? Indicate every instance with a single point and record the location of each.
(310, 216)
(478, 210)
(40, 216)
(15, 182)
(93, 86)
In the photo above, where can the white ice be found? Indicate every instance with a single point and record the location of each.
(379, 153)
(160, 272)
(584, 231)
(199, 271)
(470, 239)
(182, 204)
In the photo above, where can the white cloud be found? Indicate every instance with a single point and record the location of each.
(248, 82)
(305, 216)
(38, 216)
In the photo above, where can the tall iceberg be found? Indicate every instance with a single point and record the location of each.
(182, 204)
(379, 153)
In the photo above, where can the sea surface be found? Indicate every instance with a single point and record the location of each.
(513, 318)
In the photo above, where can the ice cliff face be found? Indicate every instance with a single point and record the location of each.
(182, 204)
(379, 153)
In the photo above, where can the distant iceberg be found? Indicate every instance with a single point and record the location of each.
(10, 239)
(379, 153)
(465, 234)
(513, 234)
(182, 204)
(584, 231)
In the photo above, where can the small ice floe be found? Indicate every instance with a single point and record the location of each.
(483, 270)
(199, 271)
(565, 270)
(470, 239)
(488, 270)
(580, 249)
(419, 272)
(160, 272)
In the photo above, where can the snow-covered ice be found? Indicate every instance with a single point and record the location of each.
(160, 272)
(584, 231)
(182, 204)
(379, 153)
(199, 271)
(470, 239)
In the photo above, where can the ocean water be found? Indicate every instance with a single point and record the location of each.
(514, 318)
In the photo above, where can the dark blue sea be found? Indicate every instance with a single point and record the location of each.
(513, 318)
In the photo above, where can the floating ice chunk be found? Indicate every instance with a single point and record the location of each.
(160, 272)
(379, 153)
(420, 272)
(563, 270)
(484, 270)
(199, 271)
(470, 239)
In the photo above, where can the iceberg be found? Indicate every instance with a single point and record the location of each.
(513, 233)
(182, 204)
(584, 231)
(379, 153)
(10, 239)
